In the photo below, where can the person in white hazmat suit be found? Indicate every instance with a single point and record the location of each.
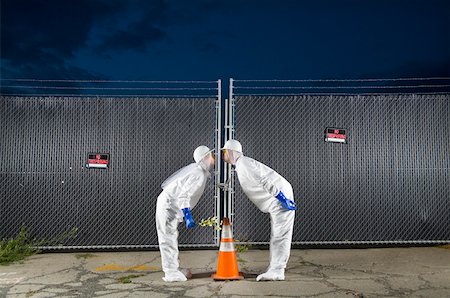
(181, 192)
(272, 194)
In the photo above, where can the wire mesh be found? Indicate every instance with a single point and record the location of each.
(45, 185)
(389, 184)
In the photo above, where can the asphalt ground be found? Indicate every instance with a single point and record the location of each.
(377, 272)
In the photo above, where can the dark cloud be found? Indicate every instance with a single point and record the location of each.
(256, 39)
(154, 22)
(131, 39)
(45, 34)
(38, 36)
(138, 33)
(44, 31)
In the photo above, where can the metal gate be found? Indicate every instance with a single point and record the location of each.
(390, 183)
(46, 186)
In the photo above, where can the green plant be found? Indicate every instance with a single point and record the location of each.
(241, 260)
(127, 279)
(22, 246)
(84, 256)
(57, 240)
(31, 293)
(242, 247)
(16, 249)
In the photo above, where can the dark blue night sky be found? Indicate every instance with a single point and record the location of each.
(208, 40)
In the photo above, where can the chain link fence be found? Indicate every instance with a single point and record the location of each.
(46, 186)
(390, 183)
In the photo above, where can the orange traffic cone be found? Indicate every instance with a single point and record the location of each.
(227, 266)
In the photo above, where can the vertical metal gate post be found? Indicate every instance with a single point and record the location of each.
(218, 137)
(225, 165)
(231, 172)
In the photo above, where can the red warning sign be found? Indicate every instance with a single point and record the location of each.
(98, 160)
(335, 135)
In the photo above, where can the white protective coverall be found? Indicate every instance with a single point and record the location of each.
(182, 189)
(261, 184)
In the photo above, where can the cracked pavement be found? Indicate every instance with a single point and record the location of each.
(378, 272)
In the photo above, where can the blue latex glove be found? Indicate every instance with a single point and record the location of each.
(288, 204)
(190, 223)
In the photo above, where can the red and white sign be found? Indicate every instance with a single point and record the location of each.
(335, 135)
(98, 160)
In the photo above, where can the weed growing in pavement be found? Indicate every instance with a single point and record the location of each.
(242, 247)
(16, 249)
(85, 256)
(127, 279)
(22, 246)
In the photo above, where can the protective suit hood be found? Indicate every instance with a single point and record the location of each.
(207, 163)
(232, 151)
(202, 156)
(233, 145)
(233, 156)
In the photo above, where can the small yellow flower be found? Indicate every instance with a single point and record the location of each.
(211, 222)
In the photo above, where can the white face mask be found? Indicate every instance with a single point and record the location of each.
(231, 156)
(207, 163)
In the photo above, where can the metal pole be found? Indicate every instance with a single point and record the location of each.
(225, 168)
(217, 154)
(230, 176)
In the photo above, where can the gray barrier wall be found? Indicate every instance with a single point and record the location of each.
(45, 185)
(389, 184)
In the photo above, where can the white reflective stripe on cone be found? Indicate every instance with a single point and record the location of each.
(226, 232)
(226, 246)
